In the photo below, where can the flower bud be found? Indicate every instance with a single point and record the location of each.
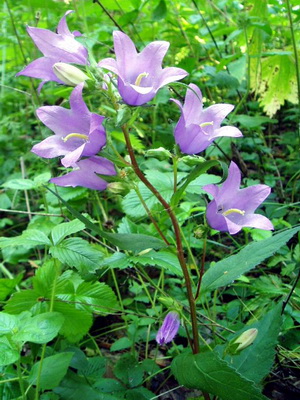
(246, 338)
(169, 328)
(69, 74)
(160, 152)
(116, 187)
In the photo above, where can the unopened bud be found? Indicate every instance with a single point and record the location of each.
(192, 160)
(69, 74)
(198, 233)
(116, 187)
(246, 338)
(169, 328)
(160, 152)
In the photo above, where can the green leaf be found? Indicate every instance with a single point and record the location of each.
(24, 300)
(255, 361)
(41, 179)
(7, 286)
(254, 121)
(7, 323)
(60, 231)
(77, 253)
(74, 387)
(121, 344)
(140, 393)
(19, 184)
(90, 296)
(134, 242)
(129, 371)
(207, 372)
(54, 368)
(137, 144)
(163, 182)
(277, 82)
(29, 238)
(41, 328)
(76, 322)
(163, 258)
(159, 11)
(226, 271)
(8, 354)
(197, 171)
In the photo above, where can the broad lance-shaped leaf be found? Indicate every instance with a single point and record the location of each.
(255, 361)
(207, 372)
(226, 271)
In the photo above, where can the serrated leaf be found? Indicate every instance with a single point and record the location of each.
(21, 301)
(41, 328)
(54, 368)
(29, 238)
(226, 271)
(207, 372)
(255, 361)
(19, 184)
(60, 231)
(277, 82)
(90, 296)
(8, 354)
(76, 322)
(77, 253)
(137, 144)
(128, 370)
(134, 242)
(163, 258)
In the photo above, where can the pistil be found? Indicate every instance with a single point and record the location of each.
(77, 135)
(140, 77)
(206, 124)
(233, 210)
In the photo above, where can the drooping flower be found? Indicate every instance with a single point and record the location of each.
(197, 128)
(140, 75)
(233, 208)
(85, 174)
(78, 132)
(169, 328)
(56, 47)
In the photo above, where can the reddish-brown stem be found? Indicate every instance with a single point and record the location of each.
(180, 253)
(202, 269)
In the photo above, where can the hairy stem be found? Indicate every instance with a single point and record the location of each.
(180, 253)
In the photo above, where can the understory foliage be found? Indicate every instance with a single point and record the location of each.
(149, 200)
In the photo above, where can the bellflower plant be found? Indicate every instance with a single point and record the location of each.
(84, 174)
(140, 75)
(78, 132)
(197, 128)
(169, 328)
(162, 198)
(233, 208)
(56, 47)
